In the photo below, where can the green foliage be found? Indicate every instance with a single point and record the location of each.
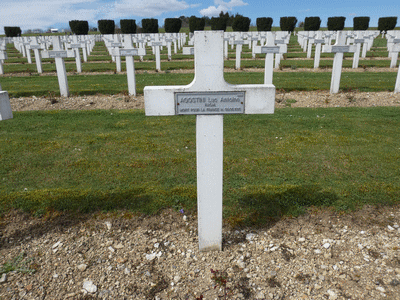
(149, 26)
(172, 25)
(221, 22)
(312, 23)
(19, 264)
(387, 23)
(241, 23)
(336, 23)
(128, 26)
(264, 24)
(106, 26)
(196, 24)
(79, 27)
(12, 31)
(288, 23)
(361, 23)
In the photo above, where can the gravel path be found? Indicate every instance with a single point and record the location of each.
(283, 99)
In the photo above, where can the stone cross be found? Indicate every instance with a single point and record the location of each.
(357, 42)
(157, 44)
(115, 46)
(209, 97)
(239, 46)
(397, 85)
(269, 51)
(3, 56)
(76, 46)
(318, 41)
(5, 107)
(38, 59)
(394, 50)
(58, 54)
(129, 52)
(339, 48)
(27, 46)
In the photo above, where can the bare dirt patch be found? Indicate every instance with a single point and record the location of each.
(283, 99)
(320, 255)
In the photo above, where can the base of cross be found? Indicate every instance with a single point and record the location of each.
(209, 97)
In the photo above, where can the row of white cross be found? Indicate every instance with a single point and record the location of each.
(346, 41)
(208, 97)
(156, 41)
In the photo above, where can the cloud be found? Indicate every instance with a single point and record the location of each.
(148, 8)
(213, 11)
(43, 14)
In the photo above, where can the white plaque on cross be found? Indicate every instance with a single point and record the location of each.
(209, 90)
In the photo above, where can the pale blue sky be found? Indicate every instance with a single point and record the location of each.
(44, 14)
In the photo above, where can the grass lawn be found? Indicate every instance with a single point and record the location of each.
(274, 165)
(114, 84)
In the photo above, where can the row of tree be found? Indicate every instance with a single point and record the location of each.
(237, 22)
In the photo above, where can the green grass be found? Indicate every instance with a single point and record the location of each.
(114, 84)
(274, 165)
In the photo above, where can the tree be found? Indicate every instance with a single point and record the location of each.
(196, 24)
(79, 27)
(336, 23)
(106, 26)
(264, 24)
(12, 31)
(150, 26)
(288, 23)
(241, 23)
(360, 23)
(388, 23)
(128, 26)
(172, 25)
(312, 23)
(221, 22)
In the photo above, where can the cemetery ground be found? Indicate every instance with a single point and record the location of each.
(98, 201)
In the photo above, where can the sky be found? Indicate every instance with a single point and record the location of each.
(45, 14)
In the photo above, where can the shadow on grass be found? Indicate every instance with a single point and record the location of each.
(265, 208)
(38, 202)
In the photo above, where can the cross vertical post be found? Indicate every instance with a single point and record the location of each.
(339, 48)
(61, 70)
(209, 97)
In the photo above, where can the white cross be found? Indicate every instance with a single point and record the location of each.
(239, 47)
(318, 41)
(35, 47)
(76, 46)
(339, 48)
(269, 51)
(156, 44)
(357, 42)
(3, 55)
(59, 56)
(5, 107)
(129, 52)
(209, 96)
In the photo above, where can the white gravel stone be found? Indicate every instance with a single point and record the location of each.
(326, 245)
(89, 286)
(151, 256)
(381, 289)
(3, 278)
(82, 267)
(332, 295)
(108, 225)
